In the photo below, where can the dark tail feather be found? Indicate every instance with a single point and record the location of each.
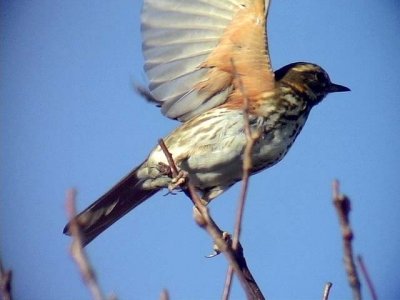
(109, 208)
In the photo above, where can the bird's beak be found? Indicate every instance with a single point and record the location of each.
(333, 88)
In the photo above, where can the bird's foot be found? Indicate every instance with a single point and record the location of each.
(178, 181)
(226, 236)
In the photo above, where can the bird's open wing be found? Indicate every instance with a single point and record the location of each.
(194, 50)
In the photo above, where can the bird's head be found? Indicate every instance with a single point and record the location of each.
(309, 79)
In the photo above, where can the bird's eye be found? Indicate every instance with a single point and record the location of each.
(317, 83)
(321, 78)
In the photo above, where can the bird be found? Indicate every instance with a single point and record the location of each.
(205, 60)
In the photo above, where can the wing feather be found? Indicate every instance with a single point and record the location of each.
(189, 48)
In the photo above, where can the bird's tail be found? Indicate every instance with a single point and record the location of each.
(109, 208)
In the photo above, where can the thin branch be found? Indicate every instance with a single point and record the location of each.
(77, 252)
(205, 221)
(251, 138)
(368, 279)
(327, 289)
(228, 283)
(164, 295)
(343, 207)
(5, 283)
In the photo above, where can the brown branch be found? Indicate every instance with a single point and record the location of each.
(343, 207)
(5, 283)
(251, 138)
(228, 283)
(205, 221)
(164, 295)
(77, 252)
(327, 289)
(368, 279)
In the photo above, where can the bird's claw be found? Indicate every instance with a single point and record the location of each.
(170, 193)
(178, 181)
(226, 236)
(214, 253)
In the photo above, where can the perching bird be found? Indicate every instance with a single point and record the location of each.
(198, 54)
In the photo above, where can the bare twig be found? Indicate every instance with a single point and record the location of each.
(77, 252)
(251, 138)
(327, 289)
(228, 283)
(368, 279)
(205, 221)
(164, 295)
(5, 283)
(342, 205)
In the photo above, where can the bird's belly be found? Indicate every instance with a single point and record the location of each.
(269, 149)
(274, 145)
(222, 175)
(221, 163)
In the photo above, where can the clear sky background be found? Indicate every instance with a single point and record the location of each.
(70, 118)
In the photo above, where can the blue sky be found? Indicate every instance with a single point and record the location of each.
(70, 118)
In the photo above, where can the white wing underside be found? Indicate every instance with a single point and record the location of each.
(178, 36)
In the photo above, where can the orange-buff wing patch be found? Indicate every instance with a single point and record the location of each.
(197, 51)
